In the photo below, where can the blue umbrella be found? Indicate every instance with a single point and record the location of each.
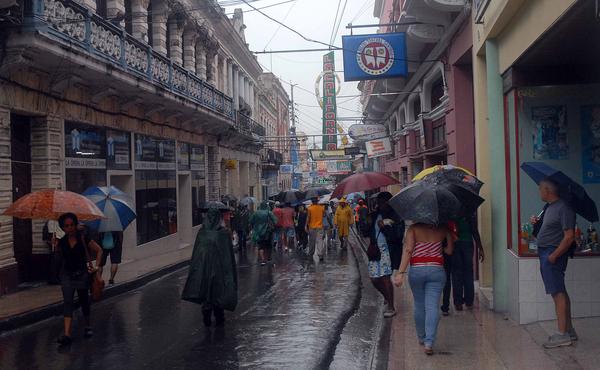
(116, 205)
(569, 190)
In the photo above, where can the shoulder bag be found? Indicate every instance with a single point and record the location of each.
(96, 284)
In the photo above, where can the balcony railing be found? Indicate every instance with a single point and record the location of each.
(86, 31)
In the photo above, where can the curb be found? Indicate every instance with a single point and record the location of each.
(55, 309)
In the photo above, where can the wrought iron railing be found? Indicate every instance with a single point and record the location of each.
(83, 29)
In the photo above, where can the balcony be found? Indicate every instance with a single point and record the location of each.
(64, 37)
(270, 159)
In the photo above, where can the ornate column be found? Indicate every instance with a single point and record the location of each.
(139, 19)
(229, 78)
(8, 265)
(211, 76)
(200, 60)
(189, 49)
(236, 87)
(159, 26)
(225, 74)
(175, 40)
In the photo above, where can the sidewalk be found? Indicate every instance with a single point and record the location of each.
(482, 339)
(30, 305)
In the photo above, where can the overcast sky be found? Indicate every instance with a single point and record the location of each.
(314, 19)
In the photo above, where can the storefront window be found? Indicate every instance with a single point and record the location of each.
(155, 183)
(198, 168)
(85, 157)
(560, 126)
(118, 150)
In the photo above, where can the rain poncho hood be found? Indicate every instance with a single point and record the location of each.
(213, 276)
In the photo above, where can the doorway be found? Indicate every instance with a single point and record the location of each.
(20, 151)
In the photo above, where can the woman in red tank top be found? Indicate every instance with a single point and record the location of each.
(423, 247)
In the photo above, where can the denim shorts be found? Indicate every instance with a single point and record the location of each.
(553, 275)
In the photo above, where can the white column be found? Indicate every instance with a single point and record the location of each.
(159, 27)
(236, 87)
(241, 82)
(229, 78)
(189, 50)
(175, 33)
(200, 61)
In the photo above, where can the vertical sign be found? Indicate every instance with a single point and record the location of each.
(329, 103)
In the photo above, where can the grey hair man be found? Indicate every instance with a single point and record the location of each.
(555, 237)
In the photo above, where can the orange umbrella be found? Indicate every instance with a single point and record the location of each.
(49, 204)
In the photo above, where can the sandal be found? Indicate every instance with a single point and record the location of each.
(428, 351)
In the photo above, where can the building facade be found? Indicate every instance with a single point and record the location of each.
(157, 98)
(536, 99)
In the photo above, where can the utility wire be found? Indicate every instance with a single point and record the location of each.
(335, 21)
(337, 29)
(279, 27)
(362, 10)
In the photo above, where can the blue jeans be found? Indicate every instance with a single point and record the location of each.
(427, 284)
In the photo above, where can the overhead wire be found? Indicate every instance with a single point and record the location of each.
(335, 21)
(279, 27)
(337, 29)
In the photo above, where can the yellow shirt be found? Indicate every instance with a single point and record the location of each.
(315, 216)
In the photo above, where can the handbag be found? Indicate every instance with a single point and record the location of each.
(96, 285)
(373, 251)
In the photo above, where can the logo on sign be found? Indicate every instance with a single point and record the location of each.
(375, 56)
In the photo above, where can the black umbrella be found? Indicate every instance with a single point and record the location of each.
(214, 205)
(569, 190)
(315, 193)
(290, 196)
(456, 176)
(435, 204)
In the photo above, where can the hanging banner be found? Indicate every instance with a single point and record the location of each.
(338, 167)
(378, 147)
(329, 103)
(367, 132)
(118, 150)
(369, 57)
(328, 155)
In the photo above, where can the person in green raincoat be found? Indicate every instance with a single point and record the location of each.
(263, 224)
(212, 279)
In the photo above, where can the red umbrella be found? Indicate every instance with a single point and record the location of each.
(49, 204)
(363, 181)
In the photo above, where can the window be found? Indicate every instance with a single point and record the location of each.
(439, 134)
(437, 92)
(198, 168)
(128, 17)
(85, 157)
(417, 141)
(155, 184)
(416, 108)
(404, 176)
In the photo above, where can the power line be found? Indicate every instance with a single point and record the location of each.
(337, 29)
(362, 10)
(279, 27)
(335, 21)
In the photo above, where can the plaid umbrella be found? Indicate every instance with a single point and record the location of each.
(50, 204)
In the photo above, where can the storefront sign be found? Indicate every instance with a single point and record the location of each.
(231, 164)
(166, 151)
(321, 168)
(327, 155)
(590, 144)
(329, 103)
(353, 150)
(369, 57)
(339, 167)
(378, 147)
(87, 163)
(286, 168)
(367, 132)
(550, 132)
(84, 146)
(197, 163)
(183, 156)
(118, 150)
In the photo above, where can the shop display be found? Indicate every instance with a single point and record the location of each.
(550, 132)
(590, 143)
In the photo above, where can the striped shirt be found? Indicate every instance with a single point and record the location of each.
(427, 254)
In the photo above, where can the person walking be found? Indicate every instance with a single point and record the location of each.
(343, 220)
(463, 286)
(241, 222)
(423, 246)
(287, 226)
(380, 271)
(278, 234)
(263, 223)
(50, 231)
(301, 218)
(112, 245)
(314, 228)
(212, 277)
(327, 225)
(75, 273)
(362, 213)
(555, 233)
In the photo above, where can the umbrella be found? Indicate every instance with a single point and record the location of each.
(355, 196)
(228, 199)
(116, 206)
(289, 196)
(214, 205)
(50, 204)
(248, 200)
(569, 190)
(327, 198)
(450, 174)
(440, 167)
(434, 204)
(362, 182)
(315, 193)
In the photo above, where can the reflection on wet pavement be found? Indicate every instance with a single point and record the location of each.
(288, 316)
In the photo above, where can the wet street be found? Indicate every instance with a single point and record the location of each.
(290, 315)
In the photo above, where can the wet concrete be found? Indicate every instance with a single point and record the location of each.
(290, 316)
